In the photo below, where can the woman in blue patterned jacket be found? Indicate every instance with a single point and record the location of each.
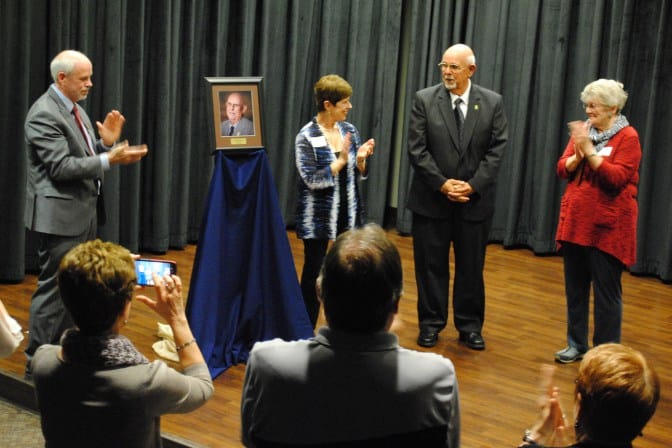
(330, 159)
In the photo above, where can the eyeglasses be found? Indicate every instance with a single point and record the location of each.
(450, 67)
(592, 105)
(234, 105)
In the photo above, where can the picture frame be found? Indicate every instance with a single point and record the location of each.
(236, 113)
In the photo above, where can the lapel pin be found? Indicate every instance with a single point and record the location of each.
(475, 106)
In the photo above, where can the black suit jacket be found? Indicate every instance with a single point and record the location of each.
(436, 154)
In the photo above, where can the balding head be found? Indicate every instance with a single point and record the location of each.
(235, 107)
(457, 66)
(463, 52)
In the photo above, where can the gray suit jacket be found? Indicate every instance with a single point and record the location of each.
(61, 189)
(112, 407)
(244, 127)
(338, 382)
(436, 154)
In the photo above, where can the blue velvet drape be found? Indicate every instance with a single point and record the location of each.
(244, 286)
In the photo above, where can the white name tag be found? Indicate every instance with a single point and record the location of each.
(318, 142)
(605, 152)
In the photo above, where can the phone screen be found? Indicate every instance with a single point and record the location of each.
(144, 267)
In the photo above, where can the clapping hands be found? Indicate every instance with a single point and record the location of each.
(122, 153)
(550, 427)
(110, 130)
(583, 145)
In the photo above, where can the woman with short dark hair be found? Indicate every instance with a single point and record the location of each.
(330, 160)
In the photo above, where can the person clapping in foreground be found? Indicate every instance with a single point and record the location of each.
(96, 388)
(615, 396)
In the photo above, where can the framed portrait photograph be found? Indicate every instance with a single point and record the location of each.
(236, 113)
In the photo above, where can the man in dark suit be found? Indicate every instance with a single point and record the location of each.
(65, 172)
(455, 151)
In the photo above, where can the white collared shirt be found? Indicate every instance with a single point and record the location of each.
(465, 100)
(69, 105)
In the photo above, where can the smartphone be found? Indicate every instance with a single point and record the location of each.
(144, 267)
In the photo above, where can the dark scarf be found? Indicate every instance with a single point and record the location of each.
(601, 138)
(107, 351)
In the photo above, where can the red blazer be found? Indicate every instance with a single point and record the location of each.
(599, 208)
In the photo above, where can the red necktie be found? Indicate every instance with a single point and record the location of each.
(100, 206)
(78, 119)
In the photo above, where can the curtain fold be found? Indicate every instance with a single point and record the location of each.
(539, 56)
(150, 58)
(649, 66)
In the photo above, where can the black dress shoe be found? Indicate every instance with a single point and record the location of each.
(473, 340)
(428, 338)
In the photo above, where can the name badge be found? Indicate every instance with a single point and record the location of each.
(605, 152)
(318, 142)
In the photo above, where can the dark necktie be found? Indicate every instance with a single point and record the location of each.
(78, 119)
(231, 130)
(459, 115)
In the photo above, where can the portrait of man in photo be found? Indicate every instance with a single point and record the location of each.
(236, 114)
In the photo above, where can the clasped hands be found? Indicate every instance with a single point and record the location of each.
(457, 190)
(583, 145)
(110, 131)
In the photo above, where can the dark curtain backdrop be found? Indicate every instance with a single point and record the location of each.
(540, 55)
(150, 58)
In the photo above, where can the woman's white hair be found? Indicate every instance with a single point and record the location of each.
(607, 91)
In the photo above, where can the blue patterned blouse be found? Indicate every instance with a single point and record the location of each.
(319, 195)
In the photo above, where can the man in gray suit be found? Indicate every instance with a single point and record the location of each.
(352, 382)
(65, 171)
(457, 135)
(234, 109)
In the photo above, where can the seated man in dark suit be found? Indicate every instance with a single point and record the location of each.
(352, 384)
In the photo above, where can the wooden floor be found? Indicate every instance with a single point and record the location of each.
(525, 325)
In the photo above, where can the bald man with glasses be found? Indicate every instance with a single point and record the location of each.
(236, 123)
(456, 139)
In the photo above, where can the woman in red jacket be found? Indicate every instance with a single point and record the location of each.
(597, 231)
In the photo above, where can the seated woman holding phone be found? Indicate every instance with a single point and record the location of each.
(96, 389)
(145, 267)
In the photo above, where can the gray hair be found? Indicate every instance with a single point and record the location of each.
(607, 91)
(65, 62)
